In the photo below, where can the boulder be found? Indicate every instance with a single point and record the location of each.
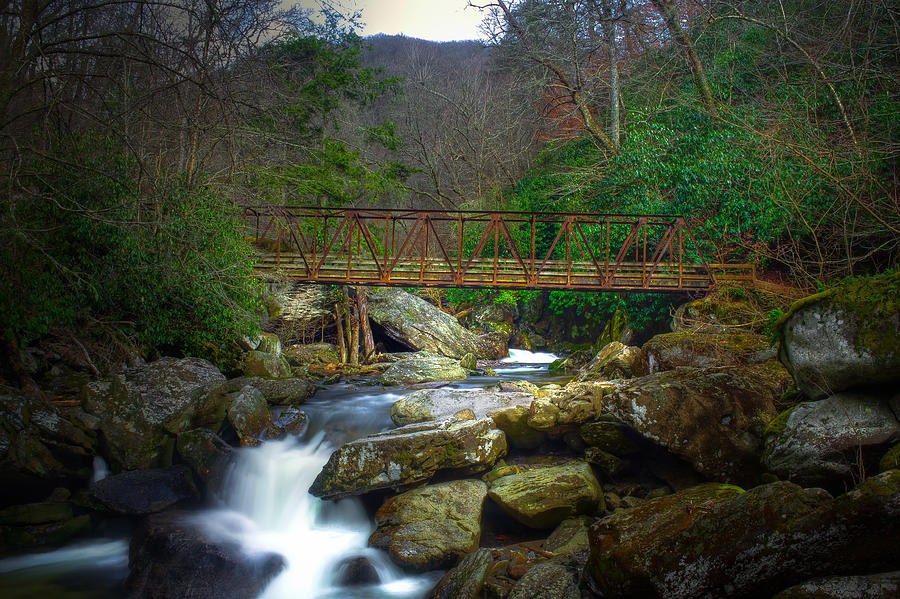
(356, 571)
(142, 409)
(884, 585)
(570, 537)
(248, 413)
(547, 580)
(466, 580)
(417, 324)
(431, 527)
(437, 404)
(142, 492)
(291, 422)
(716, 313)
(513, 421)
(705, 350)
(202, 450)
(278, 392)
(496, 318)
(171, 556)
(890, 460)
(544, 496)
(844, 337)
(269, 343)
(312, 353)
(833, 441)
(714, 418)
(266, 365)
(615, 361)
(42, 446)
(719, 542)
(409, 455)
(423, 367)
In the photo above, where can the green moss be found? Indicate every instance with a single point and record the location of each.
(873, 299)
(890, 460)
(778, 424)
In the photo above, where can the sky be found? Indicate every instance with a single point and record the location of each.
(438, 20)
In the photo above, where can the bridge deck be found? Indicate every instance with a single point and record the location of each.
(404, 248)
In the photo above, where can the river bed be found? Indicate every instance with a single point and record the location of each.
(263, 504)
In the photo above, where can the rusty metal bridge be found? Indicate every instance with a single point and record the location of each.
(436, 248)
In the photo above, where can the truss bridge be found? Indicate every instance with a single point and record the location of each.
(519, 250)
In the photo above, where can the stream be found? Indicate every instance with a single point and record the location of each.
(263, 504)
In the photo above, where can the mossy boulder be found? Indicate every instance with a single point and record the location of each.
(438, 404)
(265, 365)
(832, 442)
(431, 527)
(204, 451)
(712, 418)
(611, 436)
(312, 353)
(845, 337)
(719, 542)
(278, 392)
(269, 343)
(290, 423)
(890, 460)
(423, 367)
(142, 409)
(513, 421)
(548, 580)
(569, 537)
(718, 312)
(705, 350)
(38, 525)
(42, 446)
(884, 585)
(466, 580)
(615, 361)
(544, 496)
(409, 455)
(248, 414)
(415, 323)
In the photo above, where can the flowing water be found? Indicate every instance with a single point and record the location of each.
(264, 506)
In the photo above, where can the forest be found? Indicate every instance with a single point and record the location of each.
(132, 130)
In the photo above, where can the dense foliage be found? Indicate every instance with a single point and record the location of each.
(168, 265)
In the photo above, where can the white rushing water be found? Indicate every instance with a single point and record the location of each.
(524, 361)
(266, 508)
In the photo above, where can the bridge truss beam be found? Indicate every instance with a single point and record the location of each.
(435, 248)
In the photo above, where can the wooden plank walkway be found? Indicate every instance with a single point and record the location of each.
(623, 253)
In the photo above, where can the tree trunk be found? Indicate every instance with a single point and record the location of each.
(342, 346)
(351, 330)
(367, 337)
(669, 14)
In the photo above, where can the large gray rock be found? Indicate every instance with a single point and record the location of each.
(204, 451)
(172, 556)
(312, 353)
(873, 586)
(417, 324)
(248, 413)
(423, 367)
(832, 441)
(142, 409)
(408, 455)
(845, 337)
(433, 526)
(712, 541)
(714, 418)
(437, 404)
(466, 580)
(267, 365)
(544, 496)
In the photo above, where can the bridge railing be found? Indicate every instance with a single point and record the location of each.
(479, 248)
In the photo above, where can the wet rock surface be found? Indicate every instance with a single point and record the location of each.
(431, 527)
(408, 455)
